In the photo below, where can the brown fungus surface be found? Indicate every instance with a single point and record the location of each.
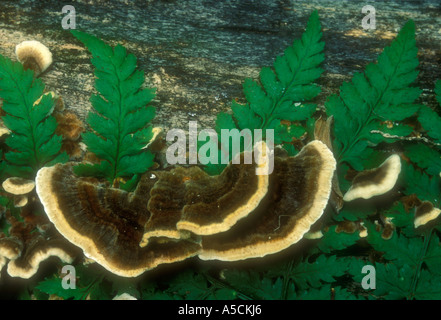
(322, 132)
(375, 182)
(425, 214)
(34, 55)
(189, 200)
(26, 247)
(18, 186)
(167, 198)
(37, 250)
(299, 189)
(106, 223)
(235, 215)
(10, 247)
(215, 204)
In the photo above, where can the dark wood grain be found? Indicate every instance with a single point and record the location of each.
(197, 53)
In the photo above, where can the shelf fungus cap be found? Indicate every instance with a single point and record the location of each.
(313, 235)
(243, 190)
(28, 263)
(188, 201)
(34, 55)
(10, 248)
(299, 190)
(18, 186)
(375, 182)
(425, 213)
(20, 201)
(106, 223)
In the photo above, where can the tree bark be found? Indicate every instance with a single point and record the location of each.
(198, 53)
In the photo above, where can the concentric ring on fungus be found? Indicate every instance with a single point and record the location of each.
(177, 214)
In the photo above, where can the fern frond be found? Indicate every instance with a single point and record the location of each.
(282, 92)
(33, 141)
(256, 286)
(428, 287)
(383, 93)
(402, 219)
(416, 182)
(433, 256)
(323, 269)
(410, 257)
(425, 157)
(393, 282)
(429, 119)
(399, 249)
(121, 113)
(333, 240)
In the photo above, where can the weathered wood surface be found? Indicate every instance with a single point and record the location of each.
(197, 53)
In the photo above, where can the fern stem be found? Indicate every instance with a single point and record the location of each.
(90, 287)
(115, 183)
(220, 284)
(286, 279)
(416, 276)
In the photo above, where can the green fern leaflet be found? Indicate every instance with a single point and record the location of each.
(121, 113)
(32, 141)
(382, 93)
(282, 92)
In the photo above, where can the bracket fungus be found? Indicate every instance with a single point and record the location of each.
(425, 213)
(375, 182)
(18, 186)
(183, 212)
(34, 55)
(106, 223)
(299, 190)
(322, 132)
(37, 251)
(25, 247)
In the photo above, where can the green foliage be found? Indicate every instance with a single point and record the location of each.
(281, 94)
(379, 100)
(402, 219)
(323, 270)
(414, 269)
(382, 99)
(430, 120)
(425, 157)
(121, 113)
(90, 284)
(188, 285)
(414, 181)
(32, 141)
(257, 286)
(399, 249)
(353, 214)
(382, 93)
(333, 240)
